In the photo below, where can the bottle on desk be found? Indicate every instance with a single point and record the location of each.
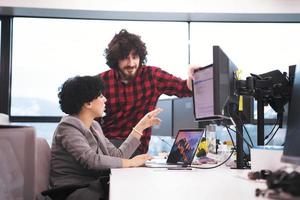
(222, 152)
(211, 138)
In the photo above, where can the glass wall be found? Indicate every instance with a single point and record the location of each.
(254, 47)
(48, 51)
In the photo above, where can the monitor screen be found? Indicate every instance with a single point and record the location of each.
(291, 151)
(213, 88)
(203, 92)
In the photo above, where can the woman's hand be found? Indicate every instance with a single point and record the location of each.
(140, 160)
(150, 119)
(136, 161)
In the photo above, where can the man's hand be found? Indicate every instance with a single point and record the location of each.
(191, 71)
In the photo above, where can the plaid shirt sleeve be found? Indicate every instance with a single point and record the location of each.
(171, 85)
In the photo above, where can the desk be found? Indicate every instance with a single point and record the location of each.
(149, 183)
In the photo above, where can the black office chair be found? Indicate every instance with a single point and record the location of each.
(61, 193)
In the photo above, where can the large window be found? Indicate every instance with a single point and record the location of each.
(254, 47)
(48, 51)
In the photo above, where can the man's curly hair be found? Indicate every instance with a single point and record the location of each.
(77, 91)
(120, 47)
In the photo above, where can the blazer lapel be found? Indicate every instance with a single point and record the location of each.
(101, 141)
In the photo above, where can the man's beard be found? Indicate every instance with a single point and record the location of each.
(128, 75)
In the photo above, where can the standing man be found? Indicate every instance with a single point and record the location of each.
(133, 88)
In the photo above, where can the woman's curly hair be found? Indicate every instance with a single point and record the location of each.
(79, 90)
(120, 47)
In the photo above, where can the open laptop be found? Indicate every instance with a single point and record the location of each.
(182, 152)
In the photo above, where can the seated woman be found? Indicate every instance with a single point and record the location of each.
(79, 148)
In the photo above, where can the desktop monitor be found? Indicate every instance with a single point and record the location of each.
(165, 128)
(291, 151)
(183, 115)
(213, 88)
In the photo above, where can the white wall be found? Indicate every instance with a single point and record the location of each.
(189, 6)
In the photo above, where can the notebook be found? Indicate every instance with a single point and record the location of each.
(182, 152)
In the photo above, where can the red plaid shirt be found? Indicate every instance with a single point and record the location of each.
(128, 102)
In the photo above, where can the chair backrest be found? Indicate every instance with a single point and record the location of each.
(17, 162)
(42, 169)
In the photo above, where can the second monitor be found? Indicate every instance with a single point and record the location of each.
(213, 88)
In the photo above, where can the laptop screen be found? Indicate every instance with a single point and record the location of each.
(185, 146)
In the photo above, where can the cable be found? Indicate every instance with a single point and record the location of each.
(248, 135)
(215, 166)
(164, 141)
(232, 150)
(230, 135)
(240, 121)
(232, 139)
(267, 136)
(277, 121)
(273, 135)
(249, 145)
